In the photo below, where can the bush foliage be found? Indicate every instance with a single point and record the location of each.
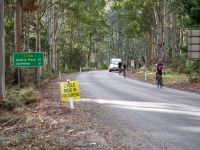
(18, 98)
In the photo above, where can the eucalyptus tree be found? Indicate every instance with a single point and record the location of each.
(158, 22)
(9, 36)
(91, 15)
(38, 40)
(2, 51)
(136, 20)
(193, 10)
(83, 21)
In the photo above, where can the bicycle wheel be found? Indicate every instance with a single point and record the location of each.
(161, 81)
(120, 70)
(158, 80)
(124, 73)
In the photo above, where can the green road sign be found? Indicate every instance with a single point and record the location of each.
(28, 59)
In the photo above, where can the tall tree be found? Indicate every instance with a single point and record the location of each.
(18, 34)
(2, 51)
(38, 44)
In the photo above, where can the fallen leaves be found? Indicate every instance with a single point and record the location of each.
(51, 125)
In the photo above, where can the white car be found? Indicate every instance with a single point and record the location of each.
(114, 64)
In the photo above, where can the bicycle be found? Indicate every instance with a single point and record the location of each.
(120, 70)
(124, 73)
(159, 80)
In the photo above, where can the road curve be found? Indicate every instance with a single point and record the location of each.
(166, 117)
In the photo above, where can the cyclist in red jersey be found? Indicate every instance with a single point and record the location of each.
(159, 72)
(159, 67)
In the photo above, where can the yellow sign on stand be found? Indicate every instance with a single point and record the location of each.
(69, 90)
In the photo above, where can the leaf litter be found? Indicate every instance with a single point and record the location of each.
(50, 125)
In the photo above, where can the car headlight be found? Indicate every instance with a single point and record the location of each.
(111, 66)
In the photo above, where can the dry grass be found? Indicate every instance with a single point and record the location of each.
(171, 79)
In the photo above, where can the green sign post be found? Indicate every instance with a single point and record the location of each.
(28, 59)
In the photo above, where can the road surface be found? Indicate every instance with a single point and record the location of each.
(147, 117)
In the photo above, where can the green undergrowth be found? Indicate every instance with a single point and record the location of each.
(170, 77)
(15, 104)
(18, 98)
(48, 75)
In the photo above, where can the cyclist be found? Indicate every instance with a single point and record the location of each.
(120, 67)
(124, 69)
(159, 71)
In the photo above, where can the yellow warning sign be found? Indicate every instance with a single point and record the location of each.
(69, 90)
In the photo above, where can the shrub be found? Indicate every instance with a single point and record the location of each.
(28, 96)
(178, 64)
(7, 104)
(103, 67)
(85, 69)
(17, 98)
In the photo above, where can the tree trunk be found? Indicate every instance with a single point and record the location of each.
(18, 20)
(27, 33)
(165, 44)
(157, 25)
(53, 41)
(90, 49)
(38, 69)
(49, 18)
(174, 37)
(159, 33)
(181, 38)
(18, 36)
(151, 47)
(2, 51)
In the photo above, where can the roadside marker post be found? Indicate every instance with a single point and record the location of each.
(145, 75)
(71, 103)
(132, 65)
(60, 76)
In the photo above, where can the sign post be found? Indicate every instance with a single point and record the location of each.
(132, 65)
(71, 103)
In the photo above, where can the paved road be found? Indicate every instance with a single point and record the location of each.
(168, 117)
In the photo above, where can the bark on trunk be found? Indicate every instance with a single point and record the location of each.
(18, 20)
(2, 52)
(165, 19)
(174, 40)
(49, 18)
(18, 37)
(90, 49)
(53, 41)
(38, 69)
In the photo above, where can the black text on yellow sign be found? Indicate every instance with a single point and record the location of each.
(69, 90)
